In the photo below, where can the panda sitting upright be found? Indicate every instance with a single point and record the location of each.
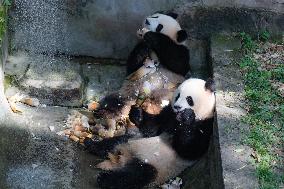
(163, 40)
(162, 37)
(185, 128)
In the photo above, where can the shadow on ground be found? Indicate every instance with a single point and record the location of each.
(33, 156)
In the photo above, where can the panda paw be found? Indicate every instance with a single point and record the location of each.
(136, 115)
(141, 32)
(186, 117)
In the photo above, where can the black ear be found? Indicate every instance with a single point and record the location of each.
(210, 85)
(181, 36)
(159, 28)
(172, 14)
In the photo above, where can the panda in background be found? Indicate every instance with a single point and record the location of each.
(185, 128)
(163, 41)
(164, 38)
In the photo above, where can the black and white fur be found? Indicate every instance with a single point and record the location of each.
(163, 36)
(163, 40)
(183, 136)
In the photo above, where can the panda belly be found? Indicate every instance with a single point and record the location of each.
(160, 88)
(161, 79)
(157, 152)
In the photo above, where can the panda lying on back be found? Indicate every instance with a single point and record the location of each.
(164, 38)
(185, 128)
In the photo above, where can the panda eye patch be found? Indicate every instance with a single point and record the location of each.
(189, 100)
(177, 97)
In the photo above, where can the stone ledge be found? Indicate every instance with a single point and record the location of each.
(235, 161)
(203, 22)
(54, 81)
(63, 81)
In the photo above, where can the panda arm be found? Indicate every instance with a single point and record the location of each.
(146, 123)
(137, 57)
(102, 148)
(152, 125)
(173, 56)
(191, 141)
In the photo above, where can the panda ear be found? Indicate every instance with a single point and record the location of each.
(172, 14)
(181, 36)
(159, 28)
(210, 85)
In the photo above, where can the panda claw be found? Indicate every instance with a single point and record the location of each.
(139, 33)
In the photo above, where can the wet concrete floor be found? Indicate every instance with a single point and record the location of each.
(33, 156)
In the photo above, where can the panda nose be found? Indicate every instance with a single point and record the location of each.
(177, 107)
(147, 22)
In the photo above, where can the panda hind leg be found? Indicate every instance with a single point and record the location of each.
(116, 160)
(104, 147)
(134, 175)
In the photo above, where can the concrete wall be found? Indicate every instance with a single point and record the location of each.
(107, 29)
(273, 5)
(97, 28)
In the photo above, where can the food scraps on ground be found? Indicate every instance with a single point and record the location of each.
(78, 127)
(23, 99)
(93, 105)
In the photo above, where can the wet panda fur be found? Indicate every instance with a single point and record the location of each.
(185, 128)
(162, 35)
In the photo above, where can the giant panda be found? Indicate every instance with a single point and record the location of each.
(165, 43)
(185, 128)
(163, 36)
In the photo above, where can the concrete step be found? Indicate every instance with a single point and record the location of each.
(61, 81)
(54, 81)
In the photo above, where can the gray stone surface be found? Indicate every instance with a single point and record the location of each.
(224, 49)
(273, 5)
(53, 80)
(17, 64)
(236, 163)
(107, 29)
(202, 21)
(33, 156)
(92, 28)
(199, 58)
(102, 80)
(63, 81)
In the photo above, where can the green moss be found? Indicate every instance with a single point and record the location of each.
(3, 18)
(10, 80)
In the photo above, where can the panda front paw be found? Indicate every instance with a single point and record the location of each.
(186, 116)
(141, 32)
(136, 115)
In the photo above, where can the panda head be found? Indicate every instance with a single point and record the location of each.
(167, 25)
(197, 95)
